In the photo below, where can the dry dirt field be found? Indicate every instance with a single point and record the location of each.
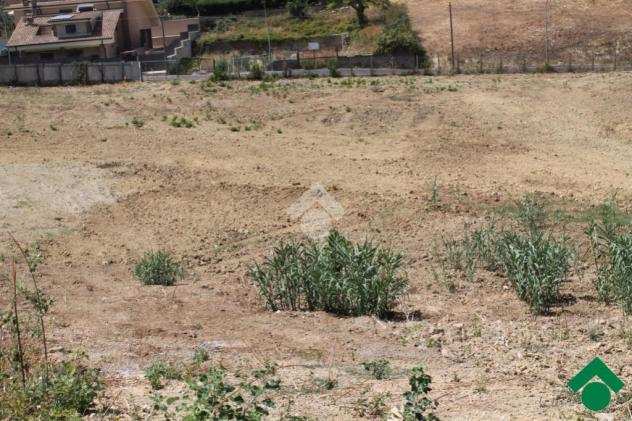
(97, 191)
(519, 26)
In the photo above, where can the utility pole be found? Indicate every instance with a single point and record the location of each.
(546, 33)
(265, 14)
(451, 35)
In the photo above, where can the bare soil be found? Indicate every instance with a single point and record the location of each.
(598, 26)
(97, 191)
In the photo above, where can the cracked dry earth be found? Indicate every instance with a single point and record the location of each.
(97, 191)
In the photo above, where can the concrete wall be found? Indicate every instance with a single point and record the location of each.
(63, 74)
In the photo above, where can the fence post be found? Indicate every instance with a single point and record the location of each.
(371, 64)
(15, 72)
(39, 76)
(61, 77)
(593, 62)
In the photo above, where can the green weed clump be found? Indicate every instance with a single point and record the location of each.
(178, 122)
(159, 371)
(611, 243)
(338, 276)
(66, 390)
(417, 401)
(158, 268)
(212, 395)
(380, 369)
(535, 262)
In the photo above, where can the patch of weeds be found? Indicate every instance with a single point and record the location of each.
(235, 128)
(338, 276)
(220, 71)
(380, 369)
(254, 125)
(536, 264)
(138, 122)
(31, 385)
(212, 395)
(175, 82)
(434, 201)
(159, 371)
(53, 127)
(534, 261)
(417, 401)
(178, 122)
(201, 355)
(326, 383)
(376, 406)
(611, 244)
(158, 268)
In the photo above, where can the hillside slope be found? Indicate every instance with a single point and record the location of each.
(510, 26)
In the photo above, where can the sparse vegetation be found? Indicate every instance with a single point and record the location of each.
(338, 276)
(212, 395)
(32, 386)
(159, 371)
(176, 121)
(418, 404)
(533, 260)
(398, 36)
(611, 245)
(158, 268)
(380, 369)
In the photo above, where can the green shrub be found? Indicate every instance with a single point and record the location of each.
(257, 70)
(380, 369)
(138, 122)
(220, 70)
(297, 8)
(212, 396)
(160, 370)
(417, 401)
(611, 240)
(338, 276)
(332, 66)
(68, 392)
(534, 261)
(158, 268)
(536, 265)
(399, 37)
(178, 122)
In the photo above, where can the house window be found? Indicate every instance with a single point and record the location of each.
(145, 38)
(71, 28)
(65, 10)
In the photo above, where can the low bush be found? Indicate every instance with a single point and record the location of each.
(159, 371)
(417, 401)
(211, 395)
(257, 70)
(332, 66)
(220, 70)
(297, 8)
(380, 369)
(158, 268)
(66, 390)
(338, 276)
(179, 122)
(399, 37)
(611, 240)
(536, 264)
(534, 261)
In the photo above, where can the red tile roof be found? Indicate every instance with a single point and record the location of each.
(40, 32)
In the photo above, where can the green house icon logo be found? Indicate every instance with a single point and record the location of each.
(596, 394)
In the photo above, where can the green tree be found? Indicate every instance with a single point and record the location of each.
(360, 7)
(297, 8)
